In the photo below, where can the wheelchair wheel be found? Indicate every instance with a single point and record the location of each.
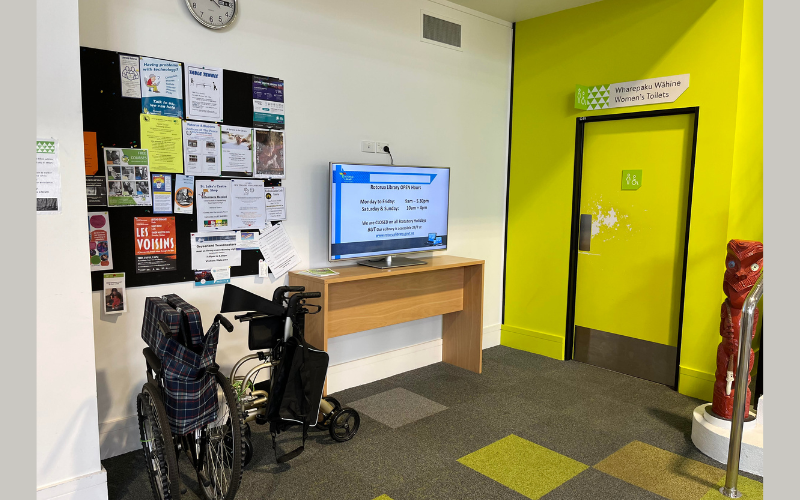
(344, 425)
(222, 447)
(159, 450)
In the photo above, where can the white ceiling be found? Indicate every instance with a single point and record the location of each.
(520, 10)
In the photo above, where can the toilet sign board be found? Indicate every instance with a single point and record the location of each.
(631, 180)
(635, 93)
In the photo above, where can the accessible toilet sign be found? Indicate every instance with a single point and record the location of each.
(636, 93)
(631, 180)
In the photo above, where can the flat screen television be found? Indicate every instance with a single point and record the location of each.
(383, 210)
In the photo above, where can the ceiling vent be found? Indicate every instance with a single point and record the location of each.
(441, 32)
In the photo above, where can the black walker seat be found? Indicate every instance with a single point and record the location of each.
(189, 389)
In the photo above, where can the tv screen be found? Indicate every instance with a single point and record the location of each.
(383, 210)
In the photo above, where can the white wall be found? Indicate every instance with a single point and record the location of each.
(354, 69)
(66, 414)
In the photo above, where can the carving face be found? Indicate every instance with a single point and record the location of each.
(742, 266)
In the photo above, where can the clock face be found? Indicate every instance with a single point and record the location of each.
(213, 14)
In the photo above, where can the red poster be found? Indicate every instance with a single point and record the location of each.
(155, 244)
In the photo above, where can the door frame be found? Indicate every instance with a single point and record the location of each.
(581, 122)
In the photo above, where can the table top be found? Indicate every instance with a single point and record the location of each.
(358, 272)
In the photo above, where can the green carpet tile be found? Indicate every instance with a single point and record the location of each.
(527, 427)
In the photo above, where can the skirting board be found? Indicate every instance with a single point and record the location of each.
(122, 435)
(89, 487)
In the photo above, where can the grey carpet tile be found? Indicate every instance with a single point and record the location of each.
(592, 484)
(397, 407)
(454, 482)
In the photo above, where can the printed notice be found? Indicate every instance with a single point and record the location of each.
(162, 92)
(277, 249)
(275, 201)
(96, 193)
(99, 242)
(114, 293)
(237, 151)
(213, 206)
(48, 177)
(247, 240)
(213, 276)
(155, 249)
(184, 194)
(247, 204)
(201, 148)
(127, 177)
(129, 74)
(203, 93)
(268, 102)
(161, 136)
(269, 154)
(92, 165)
(214, 250)
(162, 194)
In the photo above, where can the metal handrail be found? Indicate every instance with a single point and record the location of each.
(740, 396)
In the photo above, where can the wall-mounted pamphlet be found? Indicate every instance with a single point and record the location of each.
(184, 194)
(201, 148)
(127, 177)
(237, 151)
(278, 250)
(114, 293)
(129, 74)
(213, 206)
(213, 276)
(247, 204)
(99, 242)
(48, 177)
(162, 91)
(275, 199)
(268, 106)
(203, 93)
(155, 249)
(269, 160)
(162, 193)
(91, 163)
(214, 250)
(161, 136)
(96, 193)
(246, 240)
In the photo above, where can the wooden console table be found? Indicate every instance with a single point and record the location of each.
(362, 298)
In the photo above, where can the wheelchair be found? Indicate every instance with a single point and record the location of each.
(187, 405)
(271, 324)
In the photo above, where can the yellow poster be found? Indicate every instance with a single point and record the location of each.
(162, 136)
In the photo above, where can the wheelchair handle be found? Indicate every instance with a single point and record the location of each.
(164, 329)
(224, 322)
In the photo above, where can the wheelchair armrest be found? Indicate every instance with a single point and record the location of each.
(152, 360)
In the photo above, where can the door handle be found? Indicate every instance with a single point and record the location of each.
(585, 235)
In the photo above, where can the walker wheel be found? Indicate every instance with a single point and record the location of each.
(325, 423)
(344, 424)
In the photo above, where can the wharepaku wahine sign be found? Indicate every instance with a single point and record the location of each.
(636, 93)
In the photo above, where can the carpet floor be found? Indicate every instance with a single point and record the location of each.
(527, 427)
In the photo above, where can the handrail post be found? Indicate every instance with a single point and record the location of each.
(740, 394)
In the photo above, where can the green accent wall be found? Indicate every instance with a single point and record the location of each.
(617, 41)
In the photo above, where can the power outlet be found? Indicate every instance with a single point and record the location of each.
(367, 146)
(379, 147)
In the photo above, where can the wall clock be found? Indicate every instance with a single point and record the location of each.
(213, 14)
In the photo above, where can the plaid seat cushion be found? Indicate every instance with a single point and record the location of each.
(190, 394)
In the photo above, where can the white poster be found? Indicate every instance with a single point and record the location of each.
(203, 93)
(162, 92)
(129, 74)
(278, 250)
(247, 204)
(114, 297)
(162, 193)
(48, 177)
(247, 240)
(201, 149)
(184, 194)
(275, 200)
(213, 200)
(237, 150)
(214, 250)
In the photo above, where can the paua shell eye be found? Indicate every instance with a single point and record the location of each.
(731, 264)
(754, 267)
